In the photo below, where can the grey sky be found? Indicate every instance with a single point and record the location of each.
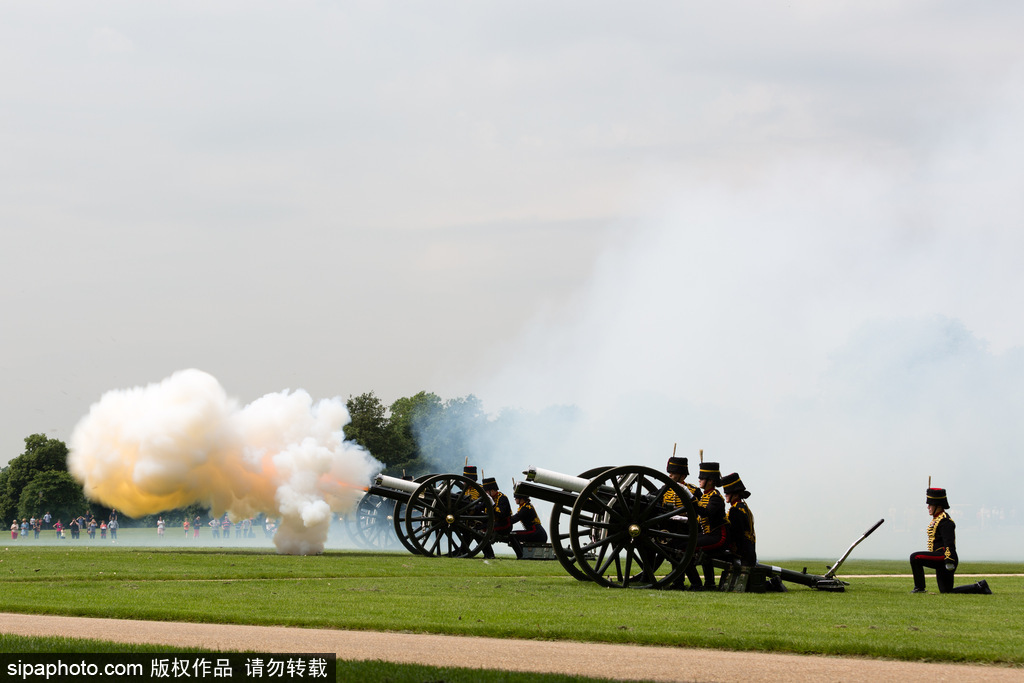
(789, 235)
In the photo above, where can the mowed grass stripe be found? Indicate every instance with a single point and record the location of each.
(509, 599)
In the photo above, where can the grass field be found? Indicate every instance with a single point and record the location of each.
(875, 617)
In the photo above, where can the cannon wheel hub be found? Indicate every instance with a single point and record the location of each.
(634, 530)
(450, 519)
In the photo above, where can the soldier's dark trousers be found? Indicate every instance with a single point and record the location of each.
(936, 561)
(711, 545)
(943, 576)
(537, 535)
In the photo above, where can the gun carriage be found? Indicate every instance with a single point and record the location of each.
(613, 526)
(435, 515)
(371, 524)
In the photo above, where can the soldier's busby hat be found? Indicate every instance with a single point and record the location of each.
(677, 466)
(710, 471)
(731, 483)
(937, 497)
(490, 483)
(469, 472)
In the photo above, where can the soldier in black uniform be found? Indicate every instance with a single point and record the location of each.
(469, 472)
(711, 519)
(502, 520)
(678, 469)
(533, 531)
(941, 554)
(742, 540)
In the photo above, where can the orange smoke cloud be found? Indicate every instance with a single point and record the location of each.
(183, 440)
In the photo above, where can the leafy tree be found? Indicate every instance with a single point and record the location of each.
(369, 426)
(407, 416)
(42, 454)
(55, 492)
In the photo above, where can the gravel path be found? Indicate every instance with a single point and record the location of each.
(612, 661)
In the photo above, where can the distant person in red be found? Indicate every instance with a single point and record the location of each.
(941, 554)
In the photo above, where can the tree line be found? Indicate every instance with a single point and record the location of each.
(415, 435)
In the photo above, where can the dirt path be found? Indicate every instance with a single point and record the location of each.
(593, 659)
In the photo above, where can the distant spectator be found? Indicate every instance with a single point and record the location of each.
(103, 530)
(160, 527)
(113, 529)
(215, 527)
(92, 528)
(46, 520)
(14, 530)
(58, 528)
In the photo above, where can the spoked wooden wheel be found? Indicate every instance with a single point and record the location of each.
(622, 532)
(373, 523)
(398, 521)
(449, 515)
(560, 543)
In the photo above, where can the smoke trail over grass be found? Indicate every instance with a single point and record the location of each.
(183, 441)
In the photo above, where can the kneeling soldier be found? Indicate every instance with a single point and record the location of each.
(502, 520)
(941, 554)
(533, 531)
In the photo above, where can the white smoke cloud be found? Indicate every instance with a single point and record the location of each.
(183, 441)
(834, 331)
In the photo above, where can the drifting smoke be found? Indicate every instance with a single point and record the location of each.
(833, 341)
(183, 441)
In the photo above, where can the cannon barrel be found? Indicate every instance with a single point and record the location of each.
(564, 489)
(556, 479)
(396, 483)
(393, 488)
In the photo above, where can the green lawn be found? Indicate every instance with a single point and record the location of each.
(876, 617)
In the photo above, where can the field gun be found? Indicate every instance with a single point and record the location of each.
(436, 515)
(371, 524)
(613, 526)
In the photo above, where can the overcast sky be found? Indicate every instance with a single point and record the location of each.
(788, 235)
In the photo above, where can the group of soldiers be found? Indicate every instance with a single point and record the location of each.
(726, 528)
(723, 532)
(504, 519)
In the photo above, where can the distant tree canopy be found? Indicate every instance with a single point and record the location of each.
(37, 481)
(424, 434)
